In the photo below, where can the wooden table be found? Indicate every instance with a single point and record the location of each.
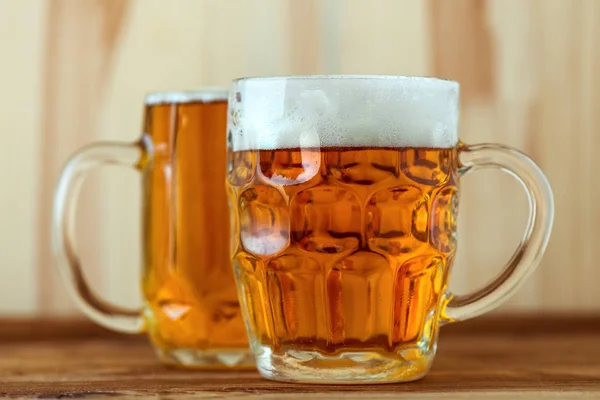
(499, 358)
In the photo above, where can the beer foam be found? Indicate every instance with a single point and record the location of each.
(205, 95)
(343, 111)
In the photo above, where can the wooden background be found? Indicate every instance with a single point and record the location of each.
(75, 71)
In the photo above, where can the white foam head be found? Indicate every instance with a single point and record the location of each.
(343, 111)
(204, 95)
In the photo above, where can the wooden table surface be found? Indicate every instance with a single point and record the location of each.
(499, 358)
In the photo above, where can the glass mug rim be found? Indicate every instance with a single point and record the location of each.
(209, 94)
(341, 77)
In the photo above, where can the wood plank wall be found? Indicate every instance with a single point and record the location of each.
(76, 71)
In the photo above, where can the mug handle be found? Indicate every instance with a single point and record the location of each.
(132, 155)
(537, 233)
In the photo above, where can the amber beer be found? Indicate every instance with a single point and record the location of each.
(192, 306)
(353, 255)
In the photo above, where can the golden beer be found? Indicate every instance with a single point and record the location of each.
(192, 312)
(344, 249)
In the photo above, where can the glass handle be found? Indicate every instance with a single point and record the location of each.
(63, 239)
(537, 233)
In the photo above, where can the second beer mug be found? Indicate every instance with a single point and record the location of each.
(191, 310)
(344, 199)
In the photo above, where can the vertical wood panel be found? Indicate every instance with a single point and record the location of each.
(384, 37)
(304, 37)
(567, 147)
(590, 131)
(243, 39)
(19, 154)
(463, 47)
(78, 71)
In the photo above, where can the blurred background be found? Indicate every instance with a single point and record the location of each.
(73, 72)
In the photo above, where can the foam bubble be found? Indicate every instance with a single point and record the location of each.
(343, 111)
(206, 95)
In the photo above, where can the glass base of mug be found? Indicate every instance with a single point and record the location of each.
(352, 367)
(207, 359)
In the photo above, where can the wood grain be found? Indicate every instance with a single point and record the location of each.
(78, 71)
(20, 127)
(525, 361)
(463, 47)
(305, 36)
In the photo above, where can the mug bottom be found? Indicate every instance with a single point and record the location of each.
(207, 359)
(351, 367)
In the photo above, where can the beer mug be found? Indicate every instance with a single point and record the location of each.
(190, 309)
(344, 194)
